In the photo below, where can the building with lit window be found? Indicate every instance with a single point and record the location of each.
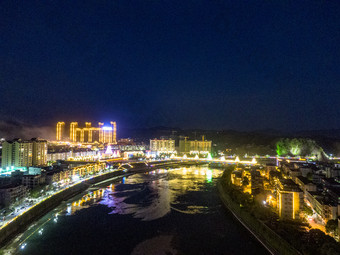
(88, 134)
(323, 205)
(60, 136)
(12, 193)
(33, 180)
(39, 152)
(289, 199)
(17, 153)
(195, 147)
(24, 153)
(82, 155)
(162, 146)
(74, 172)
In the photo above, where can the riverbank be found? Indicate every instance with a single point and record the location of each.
(21, 222)
(132, 215)
(267, 237)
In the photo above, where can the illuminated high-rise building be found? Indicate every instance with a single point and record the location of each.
(100, 133)
(114, 127)
(90, 131)
(73, 131)
(24, 153)
(39, 152)
(16, 153)
(89, 134)
(289, 199)
(60, 131)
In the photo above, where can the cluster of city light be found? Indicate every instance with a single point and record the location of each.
(77, 181)
(107, 134)
(8, 170)
(208, 173)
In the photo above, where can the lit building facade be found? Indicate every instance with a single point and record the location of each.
(195, 147)
(60, 131)
(16, 153)
(165, 146)
(73, 155)
(12, 193)
(32, 181)
(24, 153)
(79, 171)
(89, 134)
(323, 205)
(73, 133)
(39, 152)
(289, 199)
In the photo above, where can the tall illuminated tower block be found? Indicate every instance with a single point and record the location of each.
(73, 131)
(60, 131)
(90, 130)
(114, 132)
(101, 133)
(289, 199)
(24, 153)
(89, 134)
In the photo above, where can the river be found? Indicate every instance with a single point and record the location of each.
(175, 211)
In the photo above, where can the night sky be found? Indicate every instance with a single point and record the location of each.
(245, 65)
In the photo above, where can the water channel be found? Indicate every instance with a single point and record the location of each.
(174, 211)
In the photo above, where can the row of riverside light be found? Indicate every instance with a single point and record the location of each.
(48, 197)
(220, 160)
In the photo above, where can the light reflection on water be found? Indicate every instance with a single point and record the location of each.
(173, 211)
(152, 195)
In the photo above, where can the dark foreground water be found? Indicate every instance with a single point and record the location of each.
(162, 212)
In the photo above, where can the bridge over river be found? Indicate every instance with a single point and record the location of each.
(221, 160)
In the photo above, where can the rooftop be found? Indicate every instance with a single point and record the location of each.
(304, 180)
(289, 185)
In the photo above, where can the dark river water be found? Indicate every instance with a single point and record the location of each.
(162, 212)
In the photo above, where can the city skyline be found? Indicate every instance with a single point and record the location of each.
(210, 65)
(169, 127)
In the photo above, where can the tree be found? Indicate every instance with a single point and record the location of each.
(281, 147)
(310, 176)
(245, 181)
(295, 146)
(330, 249)
(298, 146)
(307, 210)
(331, 226)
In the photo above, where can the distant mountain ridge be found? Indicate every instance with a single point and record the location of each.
(328, 139)
(330, 133)
(261, 140)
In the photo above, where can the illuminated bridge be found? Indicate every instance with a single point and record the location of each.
(209, 159)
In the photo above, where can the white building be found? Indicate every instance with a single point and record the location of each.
(74, 155)
(162, 146)
(24, 153)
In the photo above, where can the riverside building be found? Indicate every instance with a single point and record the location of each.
(195, 147)
(12, 193)
(24, 153)
(162, 146)
(289, 199)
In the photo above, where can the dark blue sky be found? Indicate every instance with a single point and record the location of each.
(205, 64)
